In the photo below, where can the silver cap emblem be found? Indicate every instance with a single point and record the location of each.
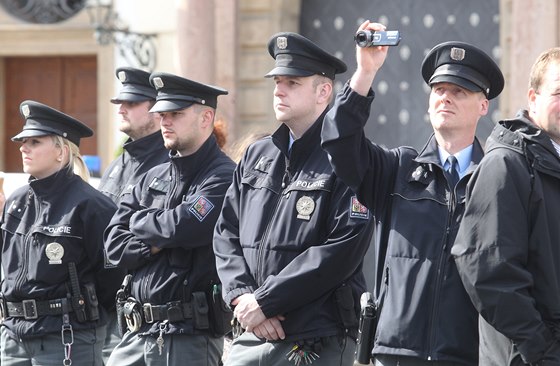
(122, 76)
(158, 83)
(25, 110)
(282, 42)
(457, 54)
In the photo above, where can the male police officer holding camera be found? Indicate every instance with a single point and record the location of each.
(162, 234)
(417, 198)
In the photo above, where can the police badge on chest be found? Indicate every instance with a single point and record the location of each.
(54, 251)
(305, 207)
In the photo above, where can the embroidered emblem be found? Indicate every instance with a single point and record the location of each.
(282, 42)
(305, 207)
(54, 252)
(457, 54)
(201, 208)
(357, 210)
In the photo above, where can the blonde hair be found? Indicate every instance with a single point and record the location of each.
(540, 67)
(76, 163)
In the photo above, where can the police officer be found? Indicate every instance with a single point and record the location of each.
(142, 151)
(162, 234)
(144, 147)
(52, 251)
(426, 317)
(291, 238)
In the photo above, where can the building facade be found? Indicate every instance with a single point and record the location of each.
(223, 43)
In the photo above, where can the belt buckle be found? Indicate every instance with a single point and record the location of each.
(29, 309)
(148, 313)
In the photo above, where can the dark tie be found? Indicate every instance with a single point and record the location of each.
(452, 172)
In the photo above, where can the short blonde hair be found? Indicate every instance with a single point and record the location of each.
(540, 67)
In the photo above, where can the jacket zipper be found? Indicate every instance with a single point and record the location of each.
(439, 280)
(260, 256)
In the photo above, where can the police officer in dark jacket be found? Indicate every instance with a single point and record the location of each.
(162, 234)
(144, 147)
(52, 251)
(291, 238)
(142, 151)
(426, 316)
(507, 249)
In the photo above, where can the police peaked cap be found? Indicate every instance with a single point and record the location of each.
(296, 55)
(465, 65)
(136, 86)
(175, 93)
(42, 120)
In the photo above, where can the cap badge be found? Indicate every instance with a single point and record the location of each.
(122, 76)
(282, 42)
(158, 82)
(305, 207)
(25, 110)
(457, 54)
(54, 252)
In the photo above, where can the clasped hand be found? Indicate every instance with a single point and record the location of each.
(252, 319)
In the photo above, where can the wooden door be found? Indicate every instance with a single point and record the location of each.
(68, 84)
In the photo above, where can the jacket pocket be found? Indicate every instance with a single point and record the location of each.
(49, 257)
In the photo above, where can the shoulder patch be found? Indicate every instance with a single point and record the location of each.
(201, 208)
(357, 210)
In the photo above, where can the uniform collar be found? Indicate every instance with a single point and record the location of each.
(190, 165)
(53, 184)
(430, 155)
(310, 140)
(146, 145)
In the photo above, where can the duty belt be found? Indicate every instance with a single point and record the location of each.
(32, 309)
(172, 311)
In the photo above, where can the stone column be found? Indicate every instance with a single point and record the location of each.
(527, 28)
(207, 44)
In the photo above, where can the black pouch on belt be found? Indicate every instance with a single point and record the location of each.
(220, 314)
(200, 310)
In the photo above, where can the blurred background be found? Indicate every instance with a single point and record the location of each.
(64, 53)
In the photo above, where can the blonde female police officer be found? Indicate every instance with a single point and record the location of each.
(52, 250)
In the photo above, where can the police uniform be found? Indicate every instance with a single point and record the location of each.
(293, 234)
(139, 155)
(124, 172)
(426, 316)
(52, 257)
(173, 207)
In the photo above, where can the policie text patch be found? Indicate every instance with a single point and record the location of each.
(357, 210)
(201, 208)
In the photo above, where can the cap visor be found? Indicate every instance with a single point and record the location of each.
(30, 133)
(288, 71)
(464, 83)
(130, 97)
(170, 105)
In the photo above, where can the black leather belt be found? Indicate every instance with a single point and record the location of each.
(32, 309)
(172, 311)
